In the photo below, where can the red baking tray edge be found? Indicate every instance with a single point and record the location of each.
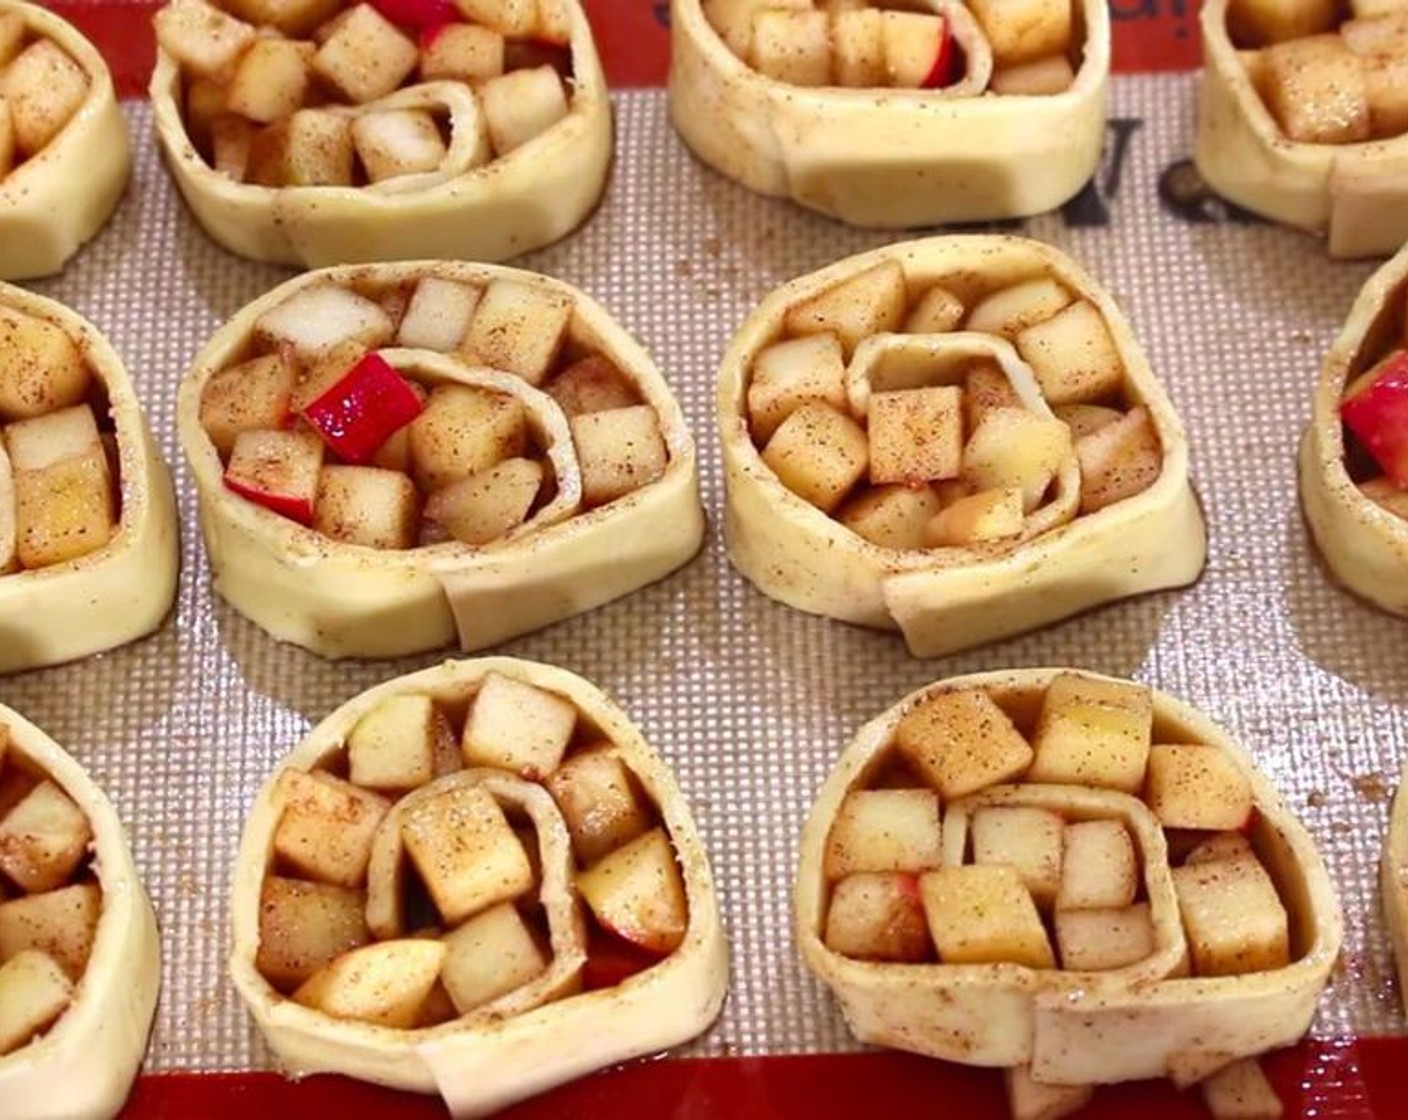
(1358, 1079)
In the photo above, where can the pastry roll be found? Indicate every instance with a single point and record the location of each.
(1077, 879)
(79, 964)
(479, 881)
(1354, 454)
(958, 438)
(88, 545)
(1394, 883)
(316, 132)
(883, 118)
(393, 458)
(64, 154)
(1302, 116)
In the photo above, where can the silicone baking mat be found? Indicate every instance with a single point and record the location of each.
(749, 701)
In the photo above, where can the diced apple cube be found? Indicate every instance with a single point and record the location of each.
(312, 148)
(989, 515)
(43, 839)
(916, 435)
(515, 18)
(277, 470)
(1073, 356)
(367, 506)
(865, 304)
(1101, 871)
(44, 88)
(788, 374)
(891, 516)
(384, 984)
(1040, 78)
(918, 50)
(466, 852)
(1386, 87)
(1119, 460)
(819, 453)
(1376, 35)
(637, 893)
(858, 54)
(1197, 786)
(517, 726)
(60, 923)
(619, 451)
(294, 18)
(598, 802)
(521, 105)
(1096, 940)
(438, 315)
(489, 956)
(793, 47)
(1316, 90)
(986, 387)
(397, 142)
(41, 369)
(231, 141)
(462, 52)
(1086, 419)
(64, 509)
(1029, 1099)
(393, 746)
(34, 992)
(1015, 448)
(1233, 917)
(519, 328)
(1221, 845)
(982, 914)
(1027, 839)
(271, 80)
(326, 826)
(733, 20)
(878, 916)
(884, 830)
(960, 742)
(938, 310)
(244, 398)
(303, 927)
(488, 504)
(592, 384)
(316, 319)
(465, 430)
(54, 437)
(200, 37)
(367, 56)
(1093, 733)
(1241, 1091)
(1024, 30)
(1258, 23)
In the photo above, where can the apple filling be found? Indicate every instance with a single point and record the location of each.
(397, 415)
(855, 44)
(41, 88)
(1325, 78)
(1374, 413)
(301, 92)
(965, 843)
(435, 865)
(60, 497)
(50, 900)
(931, 419)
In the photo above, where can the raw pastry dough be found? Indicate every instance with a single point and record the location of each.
(59, 198)
(947, 599)
(1148, 1018)
(83, 1066)
(1394, 884)
(344, 600)
(468, 209)
(125, 589)
(892, 158)
(535, 1037)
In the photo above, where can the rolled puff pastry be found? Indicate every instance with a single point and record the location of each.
(123, 590)
(1161, 1014)
(552, 1029)
(346, 600)
(892, 158)
(1353, 192)
(83, 1066)
(1394, 884)
(946, 599)
(1364, 544)
(62, 196)
(467, 209)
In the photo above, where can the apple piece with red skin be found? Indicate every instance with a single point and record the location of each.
(1377, 414)
(919, 50)
(278, 470)
(363, 409)
(420, 14)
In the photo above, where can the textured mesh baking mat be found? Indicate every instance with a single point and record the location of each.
(749, 701)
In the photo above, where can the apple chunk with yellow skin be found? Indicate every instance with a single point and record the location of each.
(620, 450)
(1233, 917)
(43, 839)
(393, 746)
(61, 923)
(637, 893)
(1085, 419)
(513, 18)
(41, 370)
(202, 38)
(788, 374)
(1029, 1099)
(938, 310)
(317, 319)
(1073, 356)
(1101, 870)
(464, 430)
(384, 984)
(884, 830)
(248, 397)
(982, 914)
(462, 52)
(517, 726)
(397, 142)
(1011, 310)
(1221, 845)
(1097, 940)
(522, 105)
(1043, 77)
(792, 47)
(366, 57)
(466, 852)
(916, 435)
(326, 826)
(989, 515)
(986, 387)
(1241, 1091)
(878, 916)
(858, 55)
(1023, 30)
(1315, 87)
(1118, 460)
(819, 453)
(1197, 786)
(1015, 448)
(733, 20)
(271, 80)
(868, 303)
(1024, 838)
(891, 516)
(518, 328)
(961, 742)
(1093, 733)
(489, 956)
(598, 802)
(34, 992)
(488, 504)
(44, 88)
(367, 506)
(65, 500)
(303, 927)
(311, 148)
(439, 314)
